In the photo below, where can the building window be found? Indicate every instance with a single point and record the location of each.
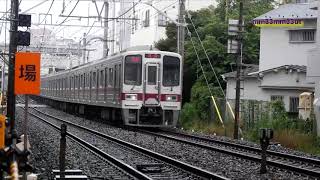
(301, 1)
(294, 104)
(146, 22)
(302, 35)
(162, 20)
(276, 98)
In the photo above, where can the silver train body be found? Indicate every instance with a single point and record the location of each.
(138, 88)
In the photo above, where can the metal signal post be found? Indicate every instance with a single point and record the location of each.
(181, 28)
(11, 106)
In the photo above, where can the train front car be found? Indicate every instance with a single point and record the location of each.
(152, 87)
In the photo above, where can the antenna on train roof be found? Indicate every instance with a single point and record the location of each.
(141, 48)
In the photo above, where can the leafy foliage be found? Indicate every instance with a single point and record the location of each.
(212, 27)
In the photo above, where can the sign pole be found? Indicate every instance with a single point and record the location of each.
(26, 121)
(25, 137)
(11, 103)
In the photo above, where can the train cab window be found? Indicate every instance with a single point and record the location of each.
(152, 75)
(110, 77)
(133, 70)
(94, 79)
(171, 71)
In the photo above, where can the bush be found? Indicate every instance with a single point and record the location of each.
(188, 114)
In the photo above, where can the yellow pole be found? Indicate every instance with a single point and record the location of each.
(218, 112)
(230, 108)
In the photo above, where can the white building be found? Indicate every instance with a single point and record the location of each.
(288, 33)
(150, 26)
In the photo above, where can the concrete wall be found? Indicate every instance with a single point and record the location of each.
(276, 50)
(286, 78)
(253, 90)
(153, 33)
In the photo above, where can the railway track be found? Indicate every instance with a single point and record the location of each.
(124, 170)
(150, 164)
(299, 164)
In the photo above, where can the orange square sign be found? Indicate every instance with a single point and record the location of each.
(27, 73)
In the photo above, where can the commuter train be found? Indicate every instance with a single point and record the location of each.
(136, 88)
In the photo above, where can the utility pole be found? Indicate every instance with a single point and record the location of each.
(238, 78)
(12, 50)
(106, 29)
(84, 45)
(181, 28)
(113, 27)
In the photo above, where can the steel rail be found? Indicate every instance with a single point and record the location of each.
(125, 167)
(250, 148)
(184, 166)
(245, 155)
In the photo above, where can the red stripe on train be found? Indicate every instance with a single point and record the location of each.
(148, 96)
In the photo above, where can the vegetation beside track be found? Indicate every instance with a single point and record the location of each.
(292, 133)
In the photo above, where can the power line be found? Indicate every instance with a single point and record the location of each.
(44, 27)
(74, 7)
(205, 51)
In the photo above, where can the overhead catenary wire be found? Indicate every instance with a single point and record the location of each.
(205, 51)
(74, 7)
(205, 77)
(44, 27)
(214, 72)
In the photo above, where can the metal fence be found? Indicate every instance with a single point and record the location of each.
(253, 111)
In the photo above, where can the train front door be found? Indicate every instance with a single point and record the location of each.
(152, 84)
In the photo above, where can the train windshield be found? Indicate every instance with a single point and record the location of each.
(171, 71)
(133, 70)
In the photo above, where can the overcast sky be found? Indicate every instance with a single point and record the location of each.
(64, 7)
(83, 8)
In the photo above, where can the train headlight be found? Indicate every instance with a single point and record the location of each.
(131, 97)
(171, 98)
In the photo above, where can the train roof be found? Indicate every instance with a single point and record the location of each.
(115, 56)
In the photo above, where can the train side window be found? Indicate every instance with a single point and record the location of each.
(94, 79)
(84, 80)
(116, 76)
(90, 79)
(75, 82)
(65, 83)
(81, 81)
(106, 77)
(120, 75)
(98, 79)
(71, 80)
(111, 77)
(101, 79)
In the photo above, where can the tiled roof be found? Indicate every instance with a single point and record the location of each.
(292, 11)
(253, 70)
(289, 67)
(245, 71)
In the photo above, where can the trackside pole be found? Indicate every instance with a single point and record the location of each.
(25, 137)
(63, 150)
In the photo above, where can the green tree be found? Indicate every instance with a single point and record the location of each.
(212, 27)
